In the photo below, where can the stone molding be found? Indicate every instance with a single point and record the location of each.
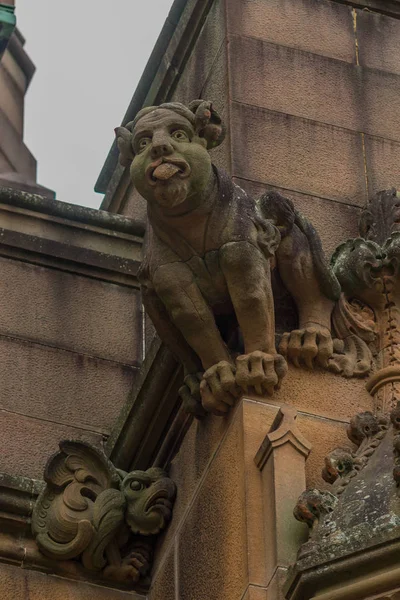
(281, 460)
(68, 237)
(283, 431)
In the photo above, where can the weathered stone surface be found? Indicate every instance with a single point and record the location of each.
(21, 584)
(378, 41)
(295, 24)
(315, 87)
(295, 82)
(256, 593)
(196, 453)
(19, 457)
(324, 434)
(298, 154)
(163, 582)
(209, 567)
(200, 66)
(62, 387)
(257, 421)
(134, 206)
(334, 221)
(70, 311)
(308, 392)
(382, 160)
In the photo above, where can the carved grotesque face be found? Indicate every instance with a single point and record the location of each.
(150, 495)
(171, 163)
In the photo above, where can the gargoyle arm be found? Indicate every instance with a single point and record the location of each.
(168, 332)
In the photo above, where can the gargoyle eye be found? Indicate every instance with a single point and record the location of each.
(340, 467)
(136, 485)
(180, 135)
(143, 143)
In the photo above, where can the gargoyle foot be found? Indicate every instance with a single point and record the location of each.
(218, 388)
(133, 566)
(351, 357)
(190, 394)
(310, 346)
(260, 371)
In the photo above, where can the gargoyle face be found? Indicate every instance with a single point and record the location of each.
(356, 263)
(338, 463)
(150, 496)
(171, 163)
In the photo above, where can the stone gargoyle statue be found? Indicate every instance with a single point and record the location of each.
(208, 257)
(106, 518)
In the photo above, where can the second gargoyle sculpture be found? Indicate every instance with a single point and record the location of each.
(209, 253)
(97, 514)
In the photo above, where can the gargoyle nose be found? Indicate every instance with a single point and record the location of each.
(161, 148)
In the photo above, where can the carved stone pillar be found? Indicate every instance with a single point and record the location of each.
(281, 460)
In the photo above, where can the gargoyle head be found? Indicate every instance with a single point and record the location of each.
(149, 495)
(356, 263)
(338, 463)
(167, 147)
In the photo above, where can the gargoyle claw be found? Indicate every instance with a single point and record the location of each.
(311, 345)
(260, 371)
(218, 388)
(190, 394)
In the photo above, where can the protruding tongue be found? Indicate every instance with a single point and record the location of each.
(165, 171)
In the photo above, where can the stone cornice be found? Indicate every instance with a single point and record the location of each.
(69, 237)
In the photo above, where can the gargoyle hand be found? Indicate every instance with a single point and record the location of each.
(218, 388)
(260, 371)
(311, 346)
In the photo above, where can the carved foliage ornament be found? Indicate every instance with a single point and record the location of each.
(367, 431)
(91, 511)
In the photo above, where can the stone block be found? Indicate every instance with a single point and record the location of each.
(295, 82)
(321, 393)
(12, 98)
(62, 387)
(212, 541)
(201, 61)
(70, 311)
(294, 23)
(378, 41)
(257, 421)
(163, 582)
(382, 159)
(325, 435)
(298, 154)
(197, 451)
(134, 206)
(20, 584)
(335, 222)
(315, 87)
(27, 443)
(256, 593)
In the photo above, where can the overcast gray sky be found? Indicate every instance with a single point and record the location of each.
(89, 57)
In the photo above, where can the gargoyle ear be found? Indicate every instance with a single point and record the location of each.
(124, 143)
(208, 123)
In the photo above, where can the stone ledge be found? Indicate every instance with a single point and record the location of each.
(68, 237)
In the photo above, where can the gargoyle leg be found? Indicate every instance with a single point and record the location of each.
(168, 332)
(248, 277)
(298, 273)
(189, 312)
